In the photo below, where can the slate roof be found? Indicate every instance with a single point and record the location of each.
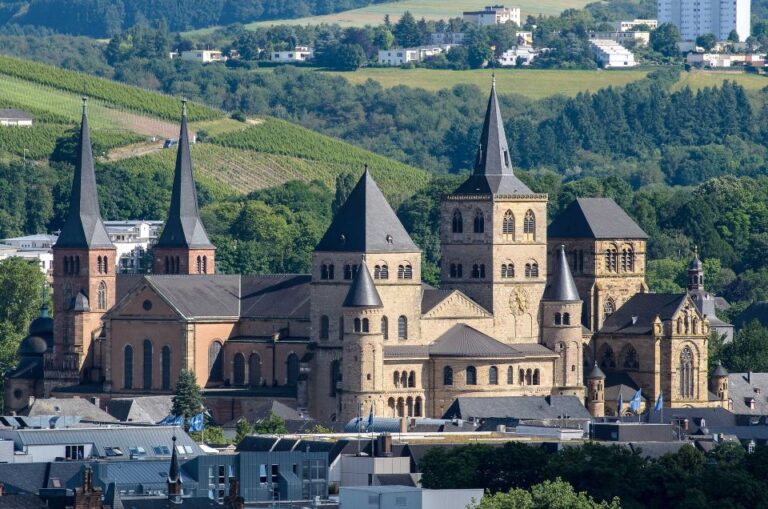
(183, 228)
(596, 372)
(636, 316)
(164, 503)
(719, 370)
(740, 391)
(29, 478)
(561, 287)
(143, 409)
(14, 114)
(595, 218)
(83, 226)
(464, 341)
(492, 173)
(69, 406)
(22, 501)
(362, 293)
(129, 475)
(431, 297)
(366, 224)
(275, 296)
(617, 383)
(517, 407)
(394, 480)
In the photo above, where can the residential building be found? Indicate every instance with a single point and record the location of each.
(409, 497)
(439, 38)
(296, 55)
(10, 117)
(611, 55)
(524, 38)
(493, 15)
(203, 56)
(624, 38)
(724, 60)
(398, 57)
(35, 248)
(698, 17)
(523, 55)
(633, 25)
(132, 240)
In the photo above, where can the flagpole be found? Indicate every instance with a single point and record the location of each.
(359, 406)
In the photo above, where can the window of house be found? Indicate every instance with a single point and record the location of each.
(471, 375)
(493, 376)
(402, 327)
(447, 375)
(508, 224)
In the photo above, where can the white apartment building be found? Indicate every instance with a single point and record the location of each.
(629, 37)
(698, 17)
(447, 38)
(203, 56)
(526, 54)
(493, 15)
(612, 55)
(628, 26)
(132, 239)
(35, 248)
(724, 59)
(297, 54)
(398, 57)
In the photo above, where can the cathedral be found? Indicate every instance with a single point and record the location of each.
(525, 307)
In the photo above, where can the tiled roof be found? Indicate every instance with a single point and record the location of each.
(69, 406)
(595, 218)
(636, 316)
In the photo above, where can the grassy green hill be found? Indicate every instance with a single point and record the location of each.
(237, 159)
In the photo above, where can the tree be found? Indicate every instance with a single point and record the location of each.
(345, 182)
(21, 283)
(733, 36)
(187, 399)
(665, 38)
(748, 351)
(243, 429)
(272, 425)
(407, 32)
(213, 435)
(479, 55)
(556, 494)
(345, 57)
(707, 41)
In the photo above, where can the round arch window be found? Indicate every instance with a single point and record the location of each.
(147, 305)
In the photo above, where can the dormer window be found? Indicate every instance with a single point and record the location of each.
(506, 158)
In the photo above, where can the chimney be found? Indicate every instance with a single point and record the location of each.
(749, 377)
(403, 425)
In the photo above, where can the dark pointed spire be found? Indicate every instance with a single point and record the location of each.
(596, 373)
(366, 223)
(493, 163)
(183, 228)
(363, 293)
(112, 497)
(561, 286)
(720, 371)
(84, 227)
(174, 472)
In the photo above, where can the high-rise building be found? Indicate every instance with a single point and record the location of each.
(698, 17)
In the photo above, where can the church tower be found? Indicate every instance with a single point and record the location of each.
(363, 356)
(184, 247)
(493, 236)
(596, 392)
(83, 273)
(718, 384)
(561, 323)
(696, 273)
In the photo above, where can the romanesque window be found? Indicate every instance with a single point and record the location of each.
(147, 364)
(479, 222)
(335, 376)
(447, 375)
(324, 327)
(215, 362)
(471, 375)
(404, 379)
(510, 376)
(165, 362)
(508, 270)
(629, 358)
(536, 377)
(528, 376)
(326, 271)
(457, 223)
(347, 272)
(529, 226)
(366, 325)
(686, 374)
(396, 379)
(385, 327)
(408, 272)
(402, 327)
(102, 296)
(493, 376)
(532, 269)
(128, 367)
(609, 307)
(199, 264)
(508, 224)
(627, 260)
(558, 319)
(611, 260)
(77, 265)
(66, 265)
(381, 271)
(357, 325)
(478, 271)
(417, 407)
(205, 265)
(566, 319)
(238, 369)
(457, 270)
(98, 265)
(521, 377)
(412, 379)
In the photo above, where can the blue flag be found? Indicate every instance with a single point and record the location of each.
(659, 403)
(178, 421)
(634, 405)
(196, 422)
(621, 404)
(370, 419)
(167, 420)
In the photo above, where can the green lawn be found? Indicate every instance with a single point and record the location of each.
(532, 83)
(701, 79)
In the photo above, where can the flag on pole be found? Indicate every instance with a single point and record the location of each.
(370, 419)
(196, 422)
(659, 403)
(359, 417)
(178, 421)
(634, 404)
(621, 404)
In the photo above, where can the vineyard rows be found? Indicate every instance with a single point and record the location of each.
(39, 141)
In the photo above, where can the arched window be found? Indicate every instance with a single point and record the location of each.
(400, 272)
(508, 225)
(529, 225)
(167, 265)
(292, 369)
(404, 379)
(521, 377)
(366, 325)
(215, 362)
(106, 265)
(508, 270)
(238, 370)
(385, 271)
(417, 407)
(412, 379)
(347, 272)
(611, 260)
(457, 223)
(166, 367)
(77, 265)
(493, 376)
(456, 270)
(629, 358)
(381, 272)
(471, 375)
(199, 264)
(478, 271)
(341, 328)
(627, 260)
(385, 327)
(177, 264)
(608, 308)
(396, 379)
(102, 296)
(205, 265)
(447, 375)
(98, 264)
(532, 269)
(254, 370)
(402, 327)
(528, 377)
(128, 367)
(558, 319)
(147, 364)
(377, 272)
(607, 359)
(536, 377)
(408, 271)
(510, 376)
(479, 222)
(324, 271)
(335, 376)
(566, 319)
(357, 325)
(687, 383)
(66, 265)
(324, 327)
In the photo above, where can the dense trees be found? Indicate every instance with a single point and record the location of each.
(187, 399)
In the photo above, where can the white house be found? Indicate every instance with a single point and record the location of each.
(629, 26)
(447, 38)
(203, 56)
(509, 58)
(724, 60)
(398, 57)
(641, 39)
(698, 17)
(35, 248)
(297, 54)
(612, 55)
(15, 118)
(406, 497)
(493, 15)
(132, 239)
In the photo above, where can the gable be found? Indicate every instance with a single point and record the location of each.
(456, 305)
(133, 305)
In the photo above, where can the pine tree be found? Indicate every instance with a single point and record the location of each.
(187, 399)
(243, 429)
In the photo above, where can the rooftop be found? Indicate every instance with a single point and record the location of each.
(595, 218)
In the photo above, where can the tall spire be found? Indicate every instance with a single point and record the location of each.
(84, 227)
(492, 171)
(562, 287)
(696, 272)
(183, 229)
(363, 293)
(174, 477)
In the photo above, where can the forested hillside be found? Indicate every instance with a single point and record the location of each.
(104, 18)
